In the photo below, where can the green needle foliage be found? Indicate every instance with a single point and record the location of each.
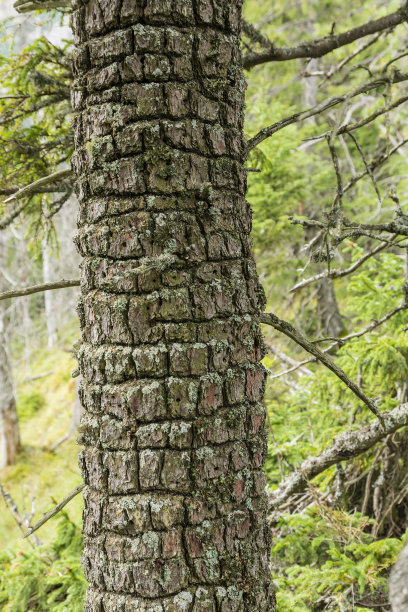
(46, 579)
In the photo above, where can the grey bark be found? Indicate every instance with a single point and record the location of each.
(399, 583)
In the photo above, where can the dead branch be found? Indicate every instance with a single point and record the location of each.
(62, 284)
(267, 132)
(322, 46)
(25, 6)
(45, 180)
(48, 515)
(364, 331)
(346, 446)
(350, 127)
(293, 333)
(22, 522)
(339, 273)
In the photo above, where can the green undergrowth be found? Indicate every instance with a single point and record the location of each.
(41, 474)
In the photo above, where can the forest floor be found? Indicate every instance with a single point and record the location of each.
(45, 408)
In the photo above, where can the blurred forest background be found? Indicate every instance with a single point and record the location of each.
(335, 542)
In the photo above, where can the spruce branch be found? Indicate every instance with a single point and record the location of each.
(322, 46)
(346, 446)
(291, 332)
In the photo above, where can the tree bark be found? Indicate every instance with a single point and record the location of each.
(398, 583)
(173, 424)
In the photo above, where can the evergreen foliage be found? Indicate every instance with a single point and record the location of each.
(335, 543)
(45, 579)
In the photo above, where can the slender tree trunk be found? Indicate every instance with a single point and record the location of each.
(330, 320)
(9, 429)
(173, 424)
(51, 313)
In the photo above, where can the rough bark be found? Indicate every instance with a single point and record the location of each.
(173, 424)
(398, 583)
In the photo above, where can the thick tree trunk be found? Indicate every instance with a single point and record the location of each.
(173, 424)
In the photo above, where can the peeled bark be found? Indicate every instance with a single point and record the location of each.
(173, 424)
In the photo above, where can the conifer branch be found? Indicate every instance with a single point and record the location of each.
(293, 333)
(55, 177)
(322, 46)
(48, 515)
(346, 446)
(267, 132)
(62, 284)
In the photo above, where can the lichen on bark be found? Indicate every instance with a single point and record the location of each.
(173, 422)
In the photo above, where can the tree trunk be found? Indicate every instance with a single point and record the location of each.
(51, 312)
(173, 424)
(9, 429)
(330, 320)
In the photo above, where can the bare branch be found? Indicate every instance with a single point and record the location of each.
(26, 6)
(322, 46)
(21, 521)
(346, 446)
(293, 333)
(350, 127)
(364, 331)
(45, 180)
(62, 284)
(48, 515)
(339, 273)
(397, 77)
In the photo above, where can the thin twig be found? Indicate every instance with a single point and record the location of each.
(48, 515)
(347, 445)
(322, 46)
(340, 273)
(364, 331)
(293, 333)
(379, 81)
(20, 521)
